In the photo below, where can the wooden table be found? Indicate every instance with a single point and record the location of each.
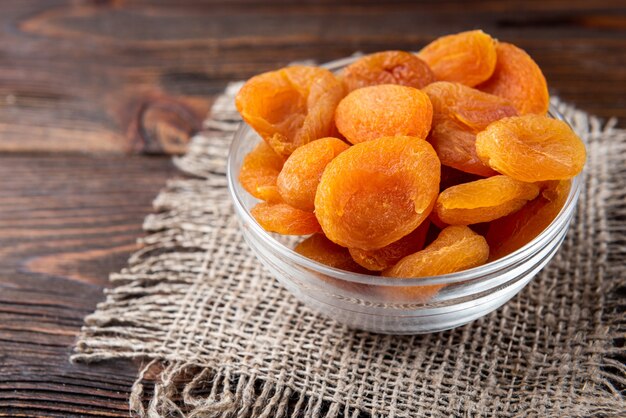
(94, 93)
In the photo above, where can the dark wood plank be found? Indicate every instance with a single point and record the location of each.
(115, 76)
(65, 223)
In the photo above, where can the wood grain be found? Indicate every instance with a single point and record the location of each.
(137, 76)
(65, 222)
(84, 83)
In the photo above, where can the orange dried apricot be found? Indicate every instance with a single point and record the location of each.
(450, 177)
(519, 79)
(284, 219)
(556, 191)
(531, 148)
(319, 248)
(292, 106)
(388, 67)
(377, 191)
(473, 108)
(483, 200)
(384, 110)
(434, 219)
(298, 180)
(467, 57)
(456, 248)
(259, 171)
(512, 232)
(378, 260)
(459, 113)
(456, 147)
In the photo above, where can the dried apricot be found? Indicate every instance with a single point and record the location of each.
(384, 110)
(512, 232)
(378, 260)
(456, 147)
(531, 148)
(377, 191)
(519, 79)
(473, 108)
(388, 67)
(456, 248)
(284, 219)
(459, 113)
(483, 200)
(298, 180)
(259, 171)
(434, 219)
(467, 57)
(292, 106)
(319, 248)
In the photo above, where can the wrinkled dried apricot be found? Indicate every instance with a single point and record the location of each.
(456, 147)
(512, 232)
(388, 67)
(292, 106)
(450, 177)
(384, 110)
(298, 180)
(531, 148)
(483, 200)
(518, 79)
(473, 108)
(434, 219)
(467, 57)
(284, 219)
(378, 260)
(456, 248)
(259, 171)
(319, 248)
(459, 113)
(377, 191)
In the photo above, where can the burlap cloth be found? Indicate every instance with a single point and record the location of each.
(220, 337)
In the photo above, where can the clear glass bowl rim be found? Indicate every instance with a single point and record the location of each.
(486, 270)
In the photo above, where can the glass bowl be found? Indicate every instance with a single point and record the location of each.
(362, 301)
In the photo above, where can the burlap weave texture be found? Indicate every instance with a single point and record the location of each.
(227, 340)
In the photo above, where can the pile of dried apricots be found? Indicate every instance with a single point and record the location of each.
(409, 165)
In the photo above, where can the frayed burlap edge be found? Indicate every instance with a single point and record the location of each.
(192, 388)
